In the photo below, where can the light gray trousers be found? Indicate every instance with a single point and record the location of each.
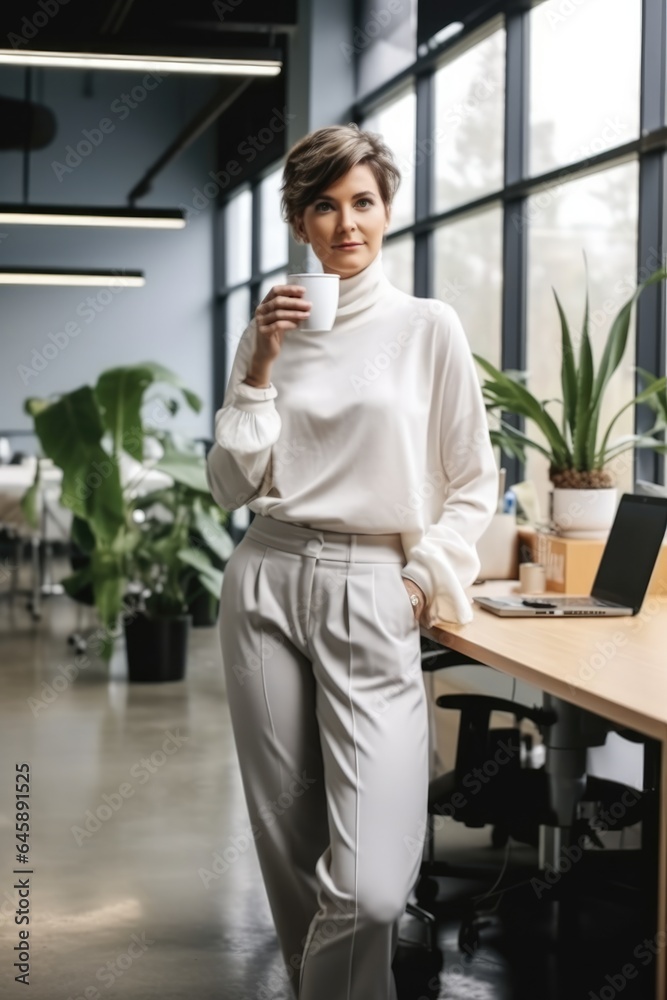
(321, 654)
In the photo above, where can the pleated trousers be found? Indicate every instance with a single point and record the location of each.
(321, 655)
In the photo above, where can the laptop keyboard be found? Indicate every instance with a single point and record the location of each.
(579, 602)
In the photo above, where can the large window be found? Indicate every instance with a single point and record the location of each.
(398, 262)
(584, 79)
(238, 238)
(237, 316)
(396, 122)
(596, 216)
(488, 234)
(474, 222)
(255, 243)
(469, 110)
(468, 275)
(273, 238)
(384, 41)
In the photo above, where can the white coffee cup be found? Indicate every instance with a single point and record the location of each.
(322, 292)
(532, 578)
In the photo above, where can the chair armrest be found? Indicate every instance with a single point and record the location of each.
(440, 659)
(482, 705)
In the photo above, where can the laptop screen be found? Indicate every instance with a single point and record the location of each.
(631, 550)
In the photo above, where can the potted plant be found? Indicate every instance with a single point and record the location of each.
(135, 545)
(579, 450)
(198, 525)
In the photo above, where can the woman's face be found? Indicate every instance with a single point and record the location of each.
(345, 224)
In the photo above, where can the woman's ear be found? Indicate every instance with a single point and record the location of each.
(300, 231)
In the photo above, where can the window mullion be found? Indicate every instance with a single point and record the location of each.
(424, 183)
(652, 227)
(515, 235)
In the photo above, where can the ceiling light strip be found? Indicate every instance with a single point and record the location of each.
(44, 215)
(54, 276)
(118, 61)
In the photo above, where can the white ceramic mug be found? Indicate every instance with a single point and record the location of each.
(322, 292)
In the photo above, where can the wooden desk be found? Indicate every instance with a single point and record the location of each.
(614, 667)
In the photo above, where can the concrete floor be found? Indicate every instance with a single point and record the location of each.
(129, 905)
(123, 907)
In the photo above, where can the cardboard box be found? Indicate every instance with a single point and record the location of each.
(571, 563)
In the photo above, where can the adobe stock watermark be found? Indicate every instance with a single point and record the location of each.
(92, 138)
(473, 781)
(377, 23)
(31, 24)
(435, 480)
(277, 984)
(626, 285)
(433, 484)
(56, 342)
(606, 819)
(68, 672)
(271, 642)
(142, 770)
(544, 196)
(131, 442)
(284, 453)
(564, 10)
(246, 151)
(588, 668)
(239, 844)
(115, 968)
(224, 7)
(454, 117)
(645, 952)
(392, 349)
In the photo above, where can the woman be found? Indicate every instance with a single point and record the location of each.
(364, 453)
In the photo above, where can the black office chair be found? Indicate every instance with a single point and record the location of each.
(515, 800)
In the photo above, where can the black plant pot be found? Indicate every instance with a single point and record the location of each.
(157, 648)
(204, 610)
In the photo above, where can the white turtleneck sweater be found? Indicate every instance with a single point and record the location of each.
(375, 426)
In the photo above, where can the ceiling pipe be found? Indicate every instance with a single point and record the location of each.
(116, 16)
(215, 107)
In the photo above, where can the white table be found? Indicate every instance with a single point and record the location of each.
(54, 520)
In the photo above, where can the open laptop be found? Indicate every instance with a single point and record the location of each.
(623, 576)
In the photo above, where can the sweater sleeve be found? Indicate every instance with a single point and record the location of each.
(445, 562)
(238, 465)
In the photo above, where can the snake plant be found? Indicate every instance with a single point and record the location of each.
(578, 448)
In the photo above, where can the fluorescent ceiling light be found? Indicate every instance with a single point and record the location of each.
(56, 276)
(440, 37)
(50, 215)
(165, 64)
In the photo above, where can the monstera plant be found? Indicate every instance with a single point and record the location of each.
(143, 551)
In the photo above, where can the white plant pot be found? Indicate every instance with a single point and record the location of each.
(583, 513)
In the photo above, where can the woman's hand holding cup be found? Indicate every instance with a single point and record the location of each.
(279, 311)
(286, 308)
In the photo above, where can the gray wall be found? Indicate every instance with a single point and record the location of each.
(168, 320)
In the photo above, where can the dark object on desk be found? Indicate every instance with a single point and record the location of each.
(624, 573)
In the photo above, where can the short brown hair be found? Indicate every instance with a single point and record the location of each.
(325, 155)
